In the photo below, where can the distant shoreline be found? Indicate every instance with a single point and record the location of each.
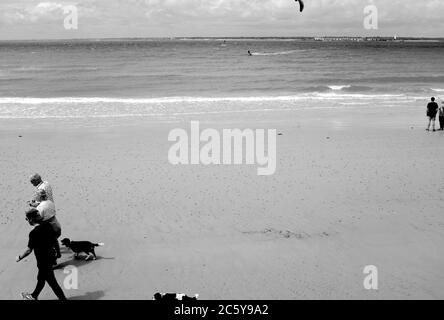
(315, 38)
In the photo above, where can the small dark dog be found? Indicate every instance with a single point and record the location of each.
(173, 297)
(82, 246)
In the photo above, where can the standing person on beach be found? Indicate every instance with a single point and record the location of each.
(47, 211)
(441, 116)
(37, 181)
(432, 110)
(41, 241)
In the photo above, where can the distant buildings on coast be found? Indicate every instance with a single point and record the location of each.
(385, 39)
(357, 39)
(319, 38)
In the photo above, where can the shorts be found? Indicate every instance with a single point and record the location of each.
(55, 226)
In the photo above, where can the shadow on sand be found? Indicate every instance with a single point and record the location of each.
(95, 295)
(78, 262)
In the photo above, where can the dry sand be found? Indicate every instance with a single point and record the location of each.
(350, 190)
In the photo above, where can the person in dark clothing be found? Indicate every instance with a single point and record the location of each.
(432, 110)
(441, 116)
(41, 241)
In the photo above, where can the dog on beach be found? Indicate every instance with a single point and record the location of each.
(173, 297)
(82, 246)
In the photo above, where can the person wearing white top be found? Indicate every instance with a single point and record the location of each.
(47, 211)
(37, 181)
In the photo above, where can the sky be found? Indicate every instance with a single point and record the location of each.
(37, 19)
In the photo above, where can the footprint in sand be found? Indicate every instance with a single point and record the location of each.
(287, 234)
(279, 233)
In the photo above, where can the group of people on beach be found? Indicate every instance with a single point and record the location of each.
(43, 239)
(434, 109)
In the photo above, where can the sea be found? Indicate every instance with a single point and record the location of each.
(165, 77)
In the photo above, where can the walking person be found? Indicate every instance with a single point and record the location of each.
(47, 211)
(432, 110)
(41, 241)
(441, 116)
(37, 181)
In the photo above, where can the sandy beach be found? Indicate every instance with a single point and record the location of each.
(351, 189)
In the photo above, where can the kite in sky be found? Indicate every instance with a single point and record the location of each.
(301, 4)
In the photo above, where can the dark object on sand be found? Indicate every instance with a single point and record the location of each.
(301, 5)
(280, 134)
(82, 246)
(20, 136)
(173, 297)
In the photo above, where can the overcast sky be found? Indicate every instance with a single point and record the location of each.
(36, 19)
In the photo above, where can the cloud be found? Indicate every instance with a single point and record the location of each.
(41, 12)
(224, 17)
(47, 11)
(217, 9)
